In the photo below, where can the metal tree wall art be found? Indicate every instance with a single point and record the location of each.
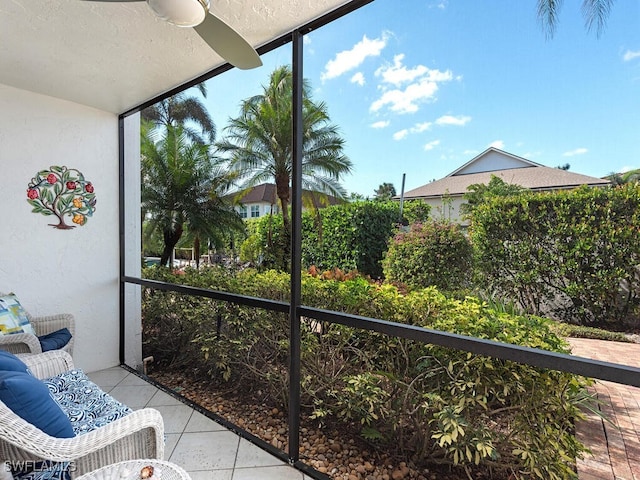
(62, 191)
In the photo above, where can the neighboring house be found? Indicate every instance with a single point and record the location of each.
(262, 200)
(446, 195)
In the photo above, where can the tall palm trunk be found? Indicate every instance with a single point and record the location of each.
(196, 251)
(171, 238)
(282, 191)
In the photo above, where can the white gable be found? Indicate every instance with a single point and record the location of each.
(492, 160)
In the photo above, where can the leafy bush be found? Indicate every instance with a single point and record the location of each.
(415, 211)
(436, 404)
(572, 254)
(432, 253)
(267, 244)
(352, 236)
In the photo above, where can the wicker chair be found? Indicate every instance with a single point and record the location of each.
(139, 434)
(28, 343)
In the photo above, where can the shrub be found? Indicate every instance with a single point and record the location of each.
(436, 404)
(572, 254)
(267, 245)
(352, 236)
(432, 253)
(415, 211)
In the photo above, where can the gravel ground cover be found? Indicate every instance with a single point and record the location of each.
(335, 450)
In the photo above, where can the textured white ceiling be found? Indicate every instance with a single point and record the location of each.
(113, 56)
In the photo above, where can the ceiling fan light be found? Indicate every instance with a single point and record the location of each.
(183, 13)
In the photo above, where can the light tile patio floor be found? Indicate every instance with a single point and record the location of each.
(203, 447)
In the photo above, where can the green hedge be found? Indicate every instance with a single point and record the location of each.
(437, 405)
(433, 253)
(350, 236)
(572, 254)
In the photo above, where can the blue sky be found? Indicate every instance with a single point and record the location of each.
(420, 87)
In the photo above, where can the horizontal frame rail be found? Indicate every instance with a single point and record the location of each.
(526, 355)
(273, 305)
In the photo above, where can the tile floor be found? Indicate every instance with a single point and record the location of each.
(204, 448)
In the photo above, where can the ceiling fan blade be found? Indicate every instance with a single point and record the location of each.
(228, 43)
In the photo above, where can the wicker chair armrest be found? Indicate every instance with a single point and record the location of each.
(48, 364)
(51, 323)
(20, 343)
(137, 435)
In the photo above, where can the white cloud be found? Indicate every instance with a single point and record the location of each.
(350, 59)
(626, 169)
(573, 153)
(380, 124)
(531, 154)
(431, 145)
(420, 127)
(397, 74)
(407, 100)
(459, 121)
(630, 55)
(358, 78)
(499, 144)
(422, 86)
(417, 128)
(401, 134)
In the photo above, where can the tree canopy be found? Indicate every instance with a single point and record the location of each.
(479, 193)
(181, 189)
(595, 13)
(386, 191)
(259, 142)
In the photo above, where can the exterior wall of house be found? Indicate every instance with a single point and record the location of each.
(53, 270)
(447, 209)
(256, 210)
(492, 161)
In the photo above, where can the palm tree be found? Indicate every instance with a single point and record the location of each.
(386, 191)
(182, 189)
(259, 142)
(182, 110)
(617, 179)
(595, 13)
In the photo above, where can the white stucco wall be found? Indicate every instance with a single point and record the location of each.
(53, 270)
(445, 209)
(133, 242)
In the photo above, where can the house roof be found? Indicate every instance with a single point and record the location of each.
(114, 56)
(266, 193)
(519, 171)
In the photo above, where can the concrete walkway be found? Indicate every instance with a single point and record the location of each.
(615, 444)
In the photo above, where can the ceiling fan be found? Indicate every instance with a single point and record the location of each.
(222, 38)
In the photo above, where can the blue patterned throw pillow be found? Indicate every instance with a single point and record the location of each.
(13, 318)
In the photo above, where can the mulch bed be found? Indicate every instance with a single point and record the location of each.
(333, 449)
